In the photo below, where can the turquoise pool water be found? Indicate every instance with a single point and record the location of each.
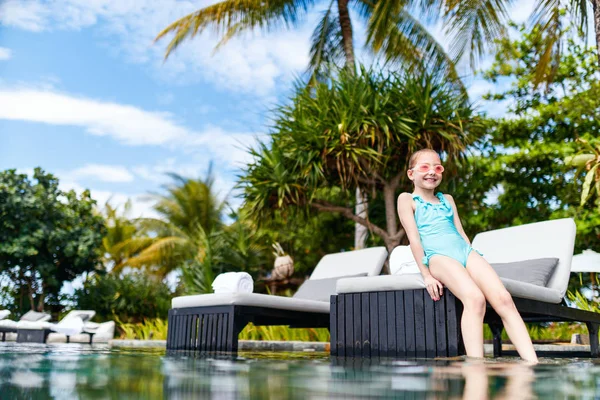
(76, 371)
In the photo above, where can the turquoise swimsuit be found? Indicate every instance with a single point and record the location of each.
(439, 236)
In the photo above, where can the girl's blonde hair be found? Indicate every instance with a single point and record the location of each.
(413, 158)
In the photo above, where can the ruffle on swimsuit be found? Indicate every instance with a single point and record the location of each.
(439, 236)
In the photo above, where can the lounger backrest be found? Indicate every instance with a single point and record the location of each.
(555, 238)
(351, 263)
(34, 316)
(85, 315)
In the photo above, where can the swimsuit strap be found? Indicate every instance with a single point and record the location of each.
(439, 195)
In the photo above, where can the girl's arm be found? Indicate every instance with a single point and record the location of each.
(457, 222)
(406, 213)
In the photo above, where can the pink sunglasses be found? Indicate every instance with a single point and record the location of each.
(438, 169)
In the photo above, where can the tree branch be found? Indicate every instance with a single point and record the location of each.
(325, 206)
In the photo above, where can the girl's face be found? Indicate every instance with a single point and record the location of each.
(427, 171)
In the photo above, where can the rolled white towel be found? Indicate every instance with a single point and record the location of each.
(72, 326)
(233, 282)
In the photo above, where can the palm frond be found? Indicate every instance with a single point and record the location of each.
(403, 40)
(474, 24)
(546, 21)
(326, 45)
(231, 17)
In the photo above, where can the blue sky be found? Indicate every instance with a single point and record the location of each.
(85, 94)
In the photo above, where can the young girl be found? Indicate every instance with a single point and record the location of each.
(445, 257)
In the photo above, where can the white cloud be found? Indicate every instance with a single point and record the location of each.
(125, 124)
(5, 54)
(104, 173)
(253, 64)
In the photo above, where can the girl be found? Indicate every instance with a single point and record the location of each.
(445, 257)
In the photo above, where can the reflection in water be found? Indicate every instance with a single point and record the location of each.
(83, 372)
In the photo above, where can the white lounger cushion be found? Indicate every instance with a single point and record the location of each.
(251, 299)
(554, 238)
(380, 283)
(384, 283)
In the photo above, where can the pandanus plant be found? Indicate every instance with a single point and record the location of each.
(588, 159)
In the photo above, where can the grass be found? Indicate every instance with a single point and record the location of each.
(156, 329)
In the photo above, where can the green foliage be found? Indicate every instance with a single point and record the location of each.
(120, 230)
(588, 159)
(355, 131)
(47, 237)
(129, 298)
(520, 164)
(148, 329)
(284, 333)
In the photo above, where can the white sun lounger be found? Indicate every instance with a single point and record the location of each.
(548, 239)
(10, 326)
(212, 322)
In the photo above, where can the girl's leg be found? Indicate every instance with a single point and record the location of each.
(454, 276)
(490, 284)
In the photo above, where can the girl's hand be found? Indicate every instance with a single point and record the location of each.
(434, 287)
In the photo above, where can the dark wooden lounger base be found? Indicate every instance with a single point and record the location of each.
(216, 328)
(403, 323)
(408, 324)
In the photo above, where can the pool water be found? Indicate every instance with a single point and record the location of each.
(74, 371)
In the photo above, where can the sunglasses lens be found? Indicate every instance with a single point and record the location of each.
(438, 169)
(423, 168)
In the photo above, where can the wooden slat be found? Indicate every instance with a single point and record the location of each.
(420, 348)
(365, 334)
(409, 323)
(213, 335)
(356, 307)
(440, 327)
(373, 318)
(333, 315)
(187, 332)
(430, 338)
(179, 335)
(391, 323)
(383, 339)
(203, 339)
(400, 325)
(452, 325)
(219, 333)
(194, 342)
(341, 302)
(349, 341)
(209, 331)
(231, 340)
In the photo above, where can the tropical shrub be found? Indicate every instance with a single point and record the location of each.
(126, 298)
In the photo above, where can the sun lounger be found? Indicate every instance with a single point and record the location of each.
(4, 314)
(71, 324)
(212, 322)
(10, 326)
(423, 328)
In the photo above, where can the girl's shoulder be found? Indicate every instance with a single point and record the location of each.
(406, 198)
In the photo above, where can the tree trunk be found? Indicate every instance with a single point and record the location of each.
(362, 210)
(362, 205)
(596, 8)
(390, 209)
(346, 26)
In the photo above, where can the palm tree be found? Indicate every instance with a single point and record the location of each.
(191, 214)
(119, 231)
(392, 33)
